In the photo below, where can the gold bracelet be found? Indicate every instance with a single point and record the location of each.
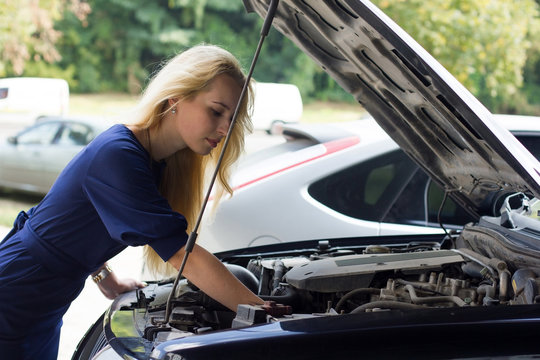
(102, 274)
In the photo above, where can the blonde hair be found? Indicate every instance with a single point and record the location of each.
(183, 77)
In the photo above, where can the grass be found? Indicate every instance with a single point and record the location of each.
(11, 203)
(331, 112)
(105, 104)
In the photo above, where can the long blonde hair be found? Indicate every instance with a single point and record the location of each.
(182, 184)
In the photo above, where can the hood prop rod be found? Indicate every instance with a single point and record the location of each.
(193, 236)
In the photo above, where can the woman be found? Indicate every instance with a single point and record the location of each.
(140, 184)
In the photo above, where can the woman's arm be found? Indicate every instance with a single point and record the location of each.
(209, 274)
(111, 286)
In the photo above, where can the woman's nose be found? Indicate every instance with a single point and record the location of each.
(223, 127)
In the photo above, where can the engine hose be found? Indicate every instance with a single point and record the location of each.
(472, 269)
(386, 305)
(350, 294)
(504, 277)
(433, 299)
(486, 291)
(493, 263)
(279, 271)
(290, 297)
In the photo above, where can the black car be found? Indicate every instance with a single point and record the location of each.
(470, 293)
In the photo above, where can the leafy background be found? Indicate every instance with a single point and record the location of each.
(491, 46)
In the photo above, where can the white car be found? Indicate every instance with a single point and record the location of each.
(275, 105)
(336, 180)
(24, 99)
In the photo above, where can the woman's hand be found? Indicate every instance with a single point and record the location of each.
(111, 286)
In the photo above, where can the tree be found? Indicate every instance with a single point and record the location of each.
(125, 41)
(27, 31)
(483, 43)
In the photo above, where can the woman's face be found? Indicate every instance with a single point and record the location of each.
(204, 120)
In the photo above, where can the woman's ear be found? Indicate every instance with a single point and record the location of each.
(172, 102)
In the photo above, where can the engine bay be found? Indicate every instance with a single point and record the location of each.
(336, 281)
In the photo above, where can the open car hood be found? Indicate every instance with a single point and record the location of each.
(433, 118)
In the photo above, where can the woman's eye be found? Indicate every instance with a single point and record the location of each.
(216, 112)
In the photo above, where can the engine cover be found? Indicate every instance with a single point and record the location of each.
(356, 271)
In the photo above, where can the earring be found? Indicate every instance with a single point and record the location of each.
(173, 110)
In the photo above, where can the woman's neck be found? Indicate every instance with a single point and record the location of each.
(160, 142)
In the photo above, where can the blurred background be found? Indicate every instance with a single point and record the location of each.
(491, 46)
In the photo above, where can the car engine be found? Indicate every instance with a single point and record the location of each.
(333, 281)
(486, 264)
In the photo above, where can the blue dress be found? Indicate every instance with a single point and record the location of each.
(105, 199)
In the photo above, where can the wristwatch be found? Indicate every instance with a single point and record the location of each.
(102, 274)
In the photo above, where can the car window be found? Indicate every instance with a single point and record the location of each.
(531, 142)
(390, 188)
(419, 204)
(42, 134)
(74, 134)
(451, 213)
(409, 208)
(368, 189)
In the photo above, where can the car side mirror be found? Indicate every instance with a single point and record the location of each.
(12, 140)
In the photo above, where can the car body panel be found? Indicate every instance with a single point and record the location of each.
(289, 189)
(377, 335)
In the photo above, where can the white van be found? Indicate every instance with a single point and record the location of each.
(274, 105)
(24, 99)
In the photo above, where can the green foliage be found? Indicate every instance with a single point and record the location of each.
(43, 69)
(531, 73)
(490, 46)
(483, 43)
(22, 35)
(120, 43)
(27, 32)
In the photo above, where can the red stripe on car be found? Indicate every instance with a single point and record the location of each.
(330, 147)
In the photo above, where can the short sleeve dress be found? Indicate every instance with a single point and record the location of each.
(105, 199)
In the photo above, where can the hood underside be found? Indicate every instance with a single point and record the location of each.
(432, 117)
